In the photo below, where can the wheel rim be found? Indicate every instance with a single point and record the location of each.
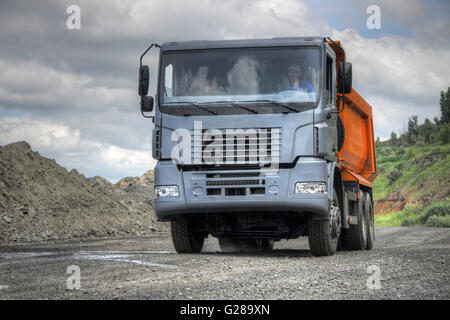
(335, 220)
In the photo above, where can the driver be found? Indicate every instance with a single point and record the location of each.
(294, 80)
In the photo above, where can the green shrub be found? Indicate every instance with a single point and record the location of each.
(435, 221)
(436, 215)
(394, 175)
(438, 209)
(386, 151)
(410, 153)
(392, 158)
(400, 151)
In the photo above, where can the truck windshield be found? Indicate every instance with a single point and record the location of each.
(251, 75)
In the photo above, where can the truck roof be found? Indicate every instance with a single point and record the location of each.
(221, 44)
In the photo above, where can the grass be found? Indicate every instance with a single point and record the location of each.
(412, 168)
(416, 172)
(435, 215)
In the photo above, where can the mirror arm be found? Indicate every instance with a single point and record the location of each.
(149, 117)
(343, 105)
(142, 56)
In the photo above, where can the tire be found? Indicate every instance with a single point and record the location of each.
(368, 211)
(322, 236)
(355, 238)
(186, 237)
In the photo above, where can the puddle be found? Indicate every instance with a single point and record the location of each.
(120, 256)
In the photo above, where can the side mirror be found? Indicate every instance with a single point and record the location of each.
(146, 104)
(143, 80)
(344, 77)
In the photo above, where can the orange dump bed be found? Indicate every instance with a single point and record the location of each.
(357, 156)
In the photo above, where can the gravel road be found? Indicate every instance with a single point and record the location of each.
(413, 263)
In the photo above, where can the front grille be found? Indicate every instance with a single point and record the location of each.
(234, 182)
(236, 146)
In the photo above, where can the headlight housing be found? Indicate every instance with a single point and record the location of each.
(167, 191)
(310, 187)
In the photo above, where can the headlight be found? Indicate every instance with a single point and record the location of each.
(167, 191)
(310, 187)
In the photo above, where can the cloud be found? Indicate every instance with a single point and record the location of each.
(76, 90)
(31, 85)
(396, 67)
(392, 115)
(397, 76)
(91, 157)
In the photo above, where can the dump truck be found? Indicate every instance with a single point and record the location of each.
(258, 141)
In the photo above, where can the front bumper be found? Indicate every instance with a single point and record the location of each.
(278, 190)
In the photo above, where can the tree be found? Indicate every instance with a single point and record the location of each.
(393, 135)
(427, 130)
(413, 129)
(393, 140)
(436, 120)
(413, 126)
(444, 133)
(445, 106)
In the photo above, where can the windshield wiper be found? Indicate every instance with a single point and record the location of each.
(195, 105)
(275, 103)
(234, 104)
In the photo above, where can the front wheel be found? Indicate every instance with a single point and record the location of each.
(186, 235)
(323, 235)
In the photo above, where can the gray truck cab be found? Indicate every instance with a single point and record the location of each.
(246, 135)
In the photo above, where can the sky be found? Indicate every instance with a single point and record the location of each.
(72, 93)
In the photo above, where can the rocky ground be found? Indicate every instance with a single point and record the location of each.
(40, 200)
(412, 263)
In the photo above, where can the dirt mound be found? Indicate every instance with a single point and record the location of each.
(41, 200)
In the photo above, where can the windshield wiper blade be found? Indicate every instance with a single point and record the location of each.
(195, 105)
(237, 105)
(275, 103)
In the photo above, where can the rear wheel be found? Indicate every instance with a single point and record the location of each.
(368, 210)
(323, 235)
(187, 236)
(355, 238)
